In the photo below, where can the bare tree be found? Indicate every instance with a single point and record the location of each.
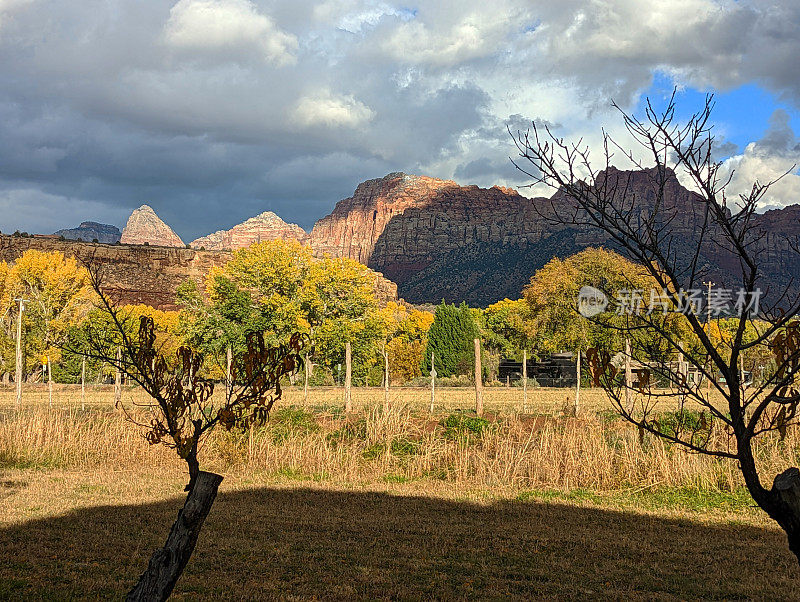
(681, 247)
(183, 411)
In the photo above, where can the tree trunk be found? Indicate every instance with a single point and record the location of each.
(786, 488)
(166, 564)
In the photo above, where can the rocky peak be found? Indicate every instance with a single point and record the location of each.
(89, 231)
(144, 226)
(265, 226)
(356, 223)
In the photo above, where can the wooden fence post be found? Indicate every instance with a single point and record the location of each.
(83, 384)
(228, 372)
(478, 380)
(19, 370)
(385, 381)
(578, 383)
(628, 378)
(433, 382)
(348, 375)
(49, 382)
(118, 380)
(306, 368)
(524, 381)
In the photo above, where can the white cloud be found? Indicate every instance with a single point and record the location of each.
(202, 25)
(774, 157)
(330, 110)
(193, 105)
(443, 38)
(355, 16)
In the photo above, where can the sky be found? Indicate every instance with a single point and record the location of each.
(212, 111)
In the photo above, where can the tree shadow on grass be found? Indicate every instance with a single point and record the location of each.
(317, 544)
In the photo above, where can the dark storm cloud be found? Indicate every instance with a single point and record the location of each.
(212, 111)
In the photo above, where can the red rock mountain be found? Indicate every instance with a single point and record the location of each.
(144, 226)
(438, 240)
(266, 226)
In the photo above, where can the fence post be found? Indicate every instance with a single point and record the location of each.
(524, 381)
(348, 375)
(306, 368)
(18, 375)
(228, 373)
(578, 384)
(118, 380)
(386, 380)
(433, 382)
(628, 378)
(83, 384)
(49, 382)
(478, 380)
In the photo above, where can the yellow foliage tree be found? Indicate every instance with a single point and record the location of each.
(57, 296)
(406, 331)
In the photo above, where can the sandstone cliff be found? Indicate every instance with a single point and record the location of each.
(144, 226)
(145, 274)
(403, 225)
(132, 274)
(266, 226)
(91, 231)
(438, 240)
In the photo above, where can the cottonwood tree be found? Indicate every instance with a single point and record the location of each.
(677, 244)
(58, 296)
(184, 410)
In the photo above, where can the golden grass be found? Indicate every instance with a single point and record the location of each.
(592, 451)
(496, 399)
(319, 505)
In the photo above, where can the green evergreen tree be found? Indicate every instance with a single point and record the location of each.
(451, 340)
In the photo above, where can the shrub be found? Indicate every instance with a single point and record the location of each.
(350, 431)
(464, 426)
(403, 447)
(672, 423)
(291, 422)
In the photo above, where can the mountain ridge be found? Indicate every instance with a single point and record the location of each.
(437, 239)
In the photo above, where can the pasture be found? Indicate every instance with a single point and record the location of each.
(317, 504)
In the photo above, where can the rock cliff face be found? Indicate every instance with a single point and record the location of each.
(266, 226)
(91, 231)
(132, 274)
(431, 236)
(144, 226)
(353, 228)
(145, 274)
(439, 240)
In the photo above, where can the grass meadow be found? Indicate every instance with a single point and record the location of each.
(403, 504)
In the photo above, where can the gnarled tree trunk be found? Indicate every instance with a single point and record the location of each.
(166, 564)
(786, 488)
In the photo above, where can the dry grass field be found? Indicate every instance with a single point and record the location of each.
(404, 505)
